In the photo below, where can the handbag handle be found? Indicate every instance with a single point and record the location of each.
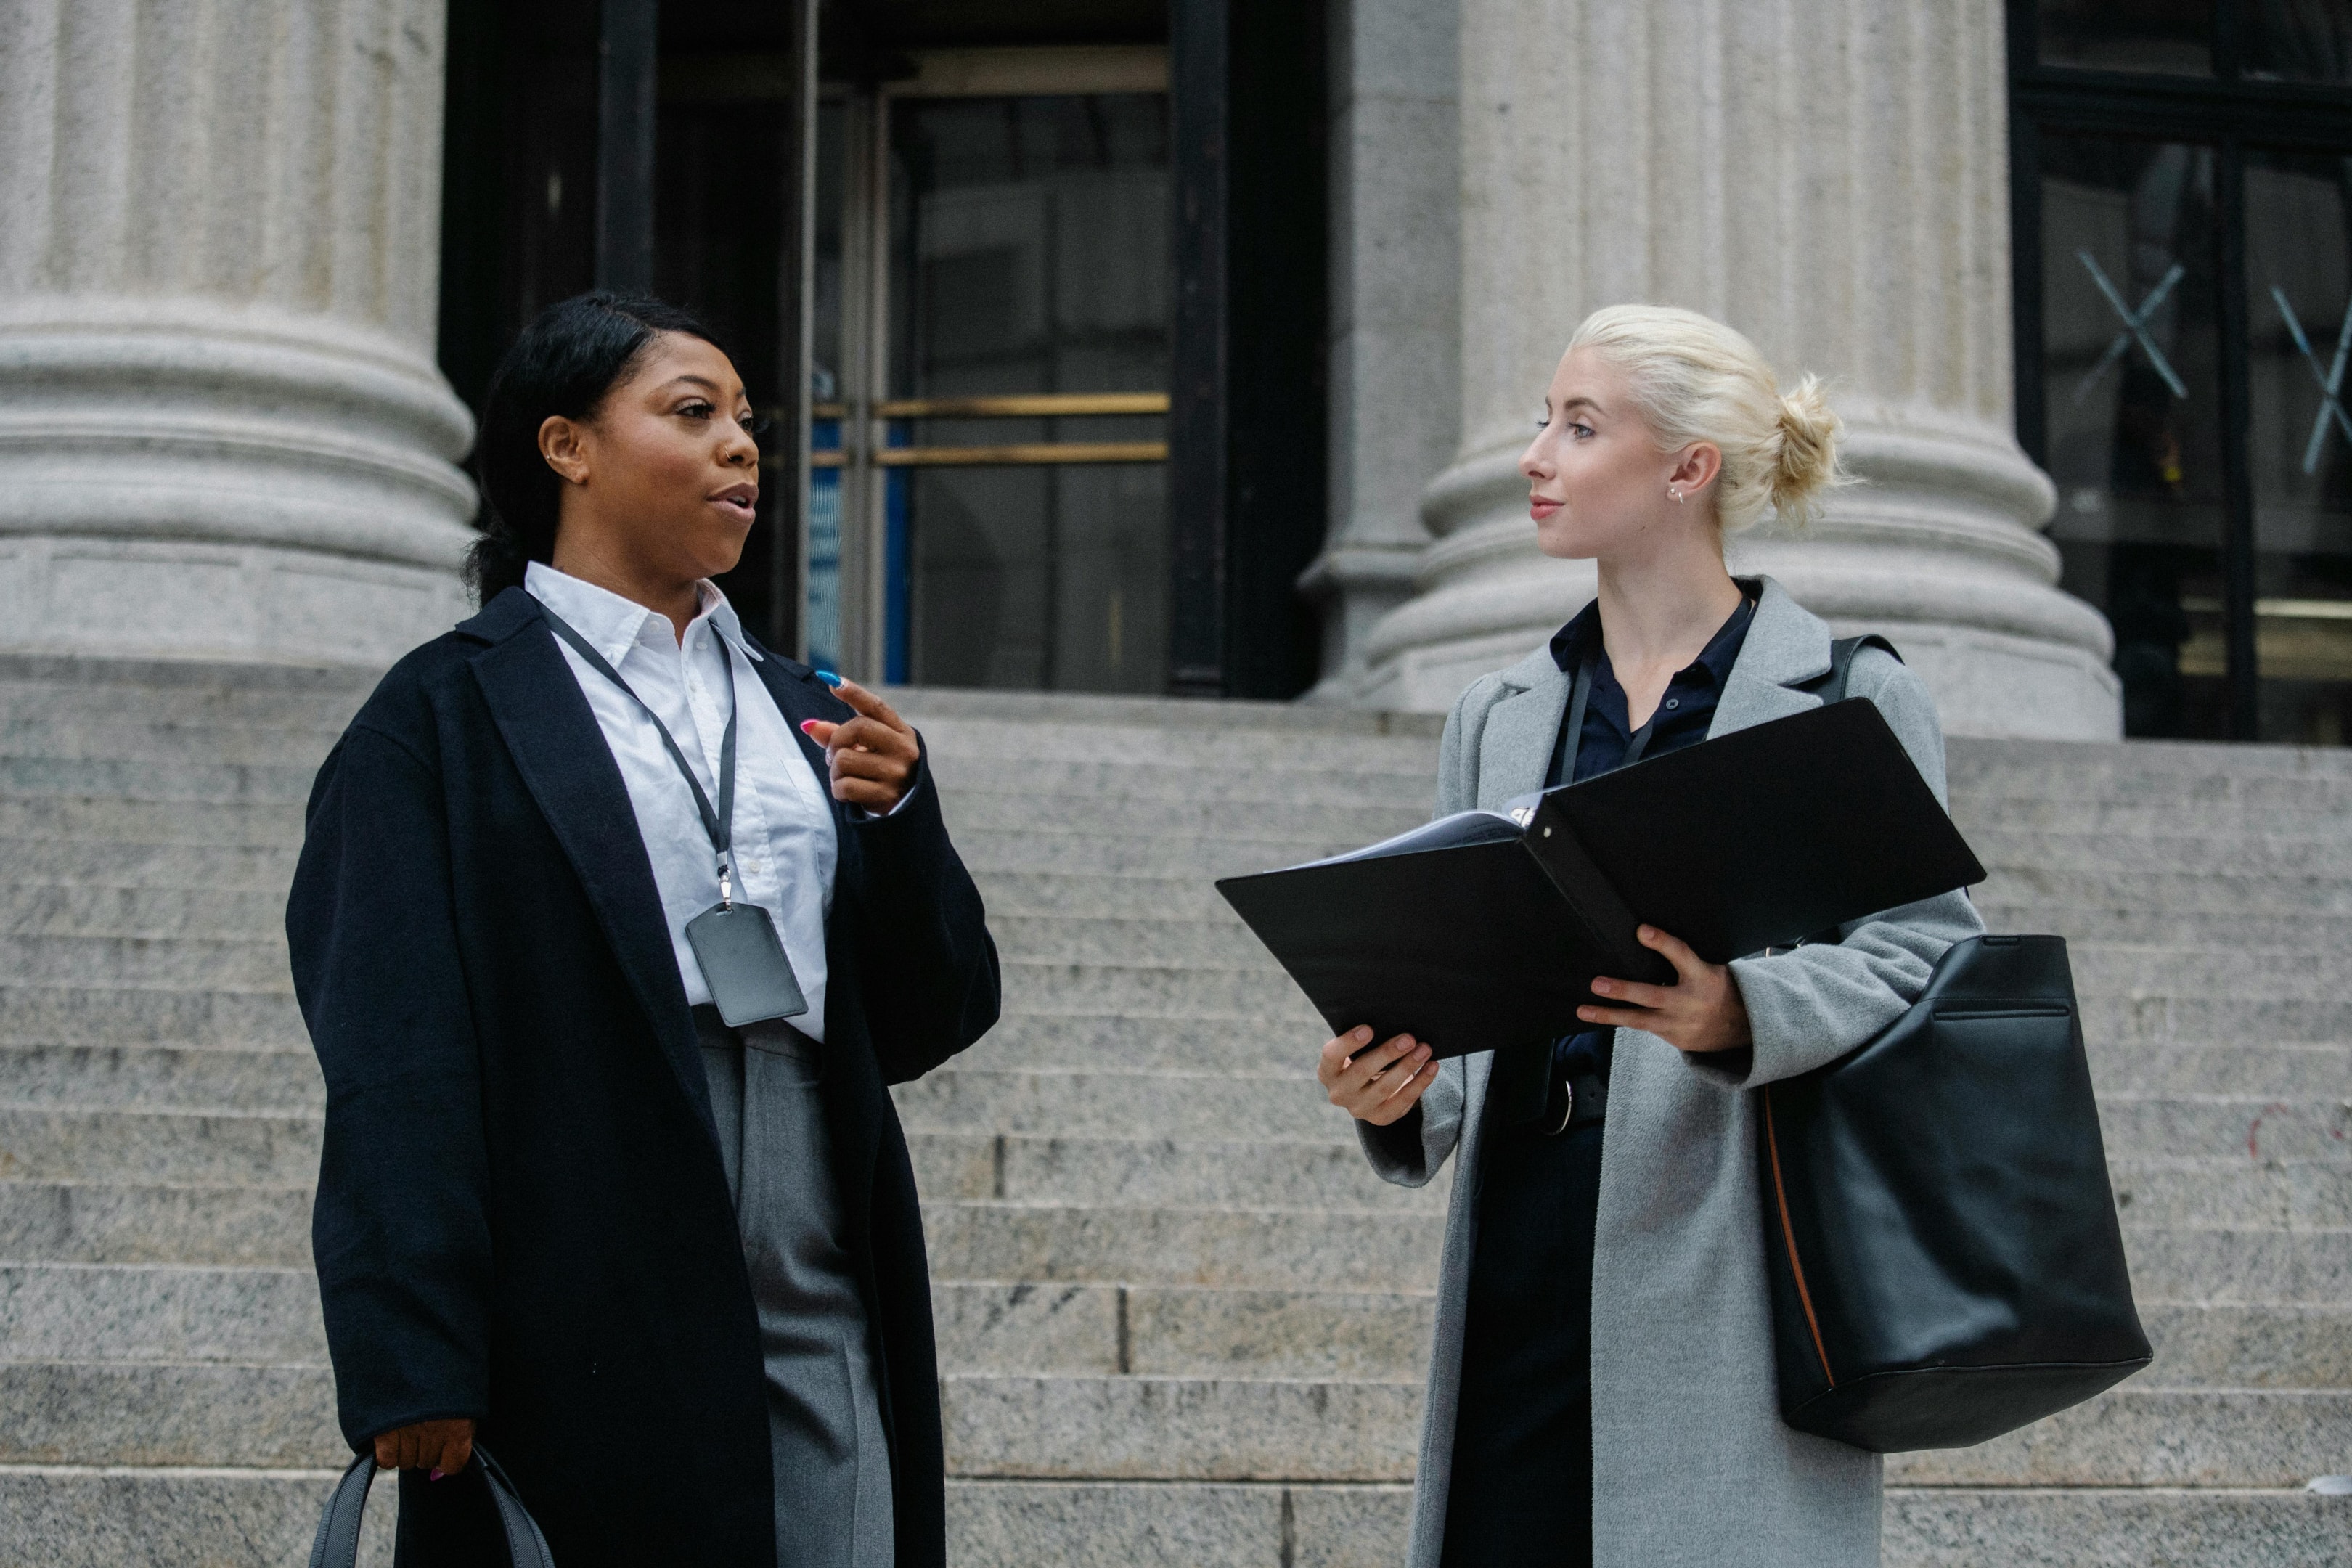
(338, 1542)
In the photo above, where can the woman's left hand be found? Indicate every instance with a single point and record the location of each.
(871, 758)
(1701, 1012)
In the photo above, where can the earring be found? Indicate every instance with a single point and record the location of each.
(1675, 492)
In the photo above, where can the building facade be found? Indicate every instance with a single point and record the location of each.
(1169, 346)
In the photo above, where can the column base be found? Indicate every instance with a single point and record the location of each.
(186, 477)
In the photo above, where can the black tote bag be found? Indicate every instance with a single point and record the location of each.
(1940, 1234)
(1945, 1258)
(338, 1541)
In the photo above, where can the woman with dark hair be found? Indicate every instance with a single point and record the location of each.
(610, 928)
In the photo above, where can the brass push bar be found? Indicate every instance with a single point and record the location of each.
(1021, 452)
(1014, 406)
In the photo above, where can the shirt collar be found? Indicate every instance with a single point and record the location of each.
(1583, 630)
(613, 625)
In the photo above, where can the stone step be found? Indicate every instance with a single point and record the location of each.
(2289, 1072)
(176, 1148)
(1077, 1427)
(110, 735)
(1103, 1329)
(264, 870)
(28, 908)
(2150, 926)
(2218, 1126)
(89, 1516)
(1079, 895)
(178, 962)
(2169, 1191)
(1263, 1249)
(2053, 763)
(2141, 1435)
(106, 1222)
(169, 1412)
(85, 1312)
(2187, 850)
(2250, 1267)
(1152, 990)
(1105, 1040)
(1132, 1104)
(1174, 1428)
(2173, 891)
(2301, 973)
(188, 782)
(1159, 1172)
(1157, 1331)
(2305, 819)
(1058, 849)
(2153, 1526)
(189, 689)
(1409, 784)
(108, 1015)
(160, 1078)
(123, 825)
(973, 811)
(1178, 1524)
(1093, 938)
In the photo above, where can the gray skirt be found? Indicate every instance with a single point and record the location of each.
(825, 1417)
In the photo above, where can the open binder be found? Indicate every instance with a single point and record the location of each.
(1487, 929)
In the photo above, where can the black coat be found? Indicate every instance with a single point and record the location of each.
(522, 1216)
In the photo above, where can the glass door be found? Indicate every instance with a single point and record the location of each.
(2299, 310)
(989, 498)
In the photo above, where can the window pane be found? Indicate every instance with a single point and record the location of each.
(2130, 351)
(2300, 40)
(2300, 312)
(1030, 254)
(2172, 37)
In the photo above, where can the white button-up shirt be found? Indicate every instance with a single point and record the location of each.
(783, 829)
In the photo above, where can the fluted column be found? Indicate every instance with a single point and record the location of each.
(222, 432)
(1832, 177)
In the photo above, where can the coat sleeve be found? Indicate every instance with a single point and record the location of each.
(1811, 1005)
(928, 969)
(1409, 1151)
(398, 1230)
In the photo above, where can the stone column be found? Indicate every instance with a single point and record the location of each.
(222, 433)
(1395, 309)
(1832, 177)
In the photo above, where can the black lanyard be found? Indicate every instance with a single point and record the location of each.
(1572, 737)
(718, 823)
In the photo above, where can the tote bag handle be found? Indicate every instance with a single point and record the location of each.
(337, 1543)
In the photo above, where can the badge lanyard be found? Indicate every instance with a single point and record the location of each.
(719, 821)
(743, 961)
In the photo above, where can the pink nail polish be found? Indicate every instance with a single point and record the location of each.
(434, 1475)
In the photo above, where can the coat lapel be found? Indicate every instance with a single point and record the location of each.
(1785, 646)
(1515, 749)
(551, 733)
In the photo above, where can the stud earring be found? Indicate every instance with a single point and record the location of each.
(1675, 492)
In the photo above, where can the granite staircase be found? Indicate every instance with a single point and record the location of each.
(1180, 1324)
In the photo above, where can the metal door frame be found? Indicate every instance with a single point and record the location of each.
(864, 413)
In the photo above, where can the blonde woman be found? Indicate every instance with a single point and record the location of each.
(1601, 1390)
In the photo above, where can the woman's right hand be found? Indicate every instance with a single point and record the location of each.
(1375, 1083)
(442, 1447)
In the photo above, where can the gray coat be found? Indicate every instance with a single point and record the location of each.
(1691, 1465)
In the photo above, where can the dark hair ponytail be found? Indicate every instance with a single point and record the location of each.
(572, 354)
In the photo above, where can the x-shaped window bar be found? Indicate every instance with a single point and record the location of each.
(2331, 381)
(2134, 329)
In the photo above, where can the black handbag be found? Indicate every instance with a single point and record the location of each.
(1941, 1238)
(338, 1541)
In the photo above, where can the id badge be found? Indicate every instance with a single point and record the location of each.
(744, 964)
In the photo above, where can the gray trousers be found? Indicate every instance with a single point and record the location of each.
(825, 1417)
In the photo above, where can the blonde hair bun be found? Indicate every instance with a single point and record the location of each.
(1695, 379)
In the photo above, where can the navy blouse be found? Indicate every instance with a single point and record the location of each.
(1681, 719)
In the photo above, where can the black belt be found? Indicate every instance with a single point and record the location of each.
(1574, 1100)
